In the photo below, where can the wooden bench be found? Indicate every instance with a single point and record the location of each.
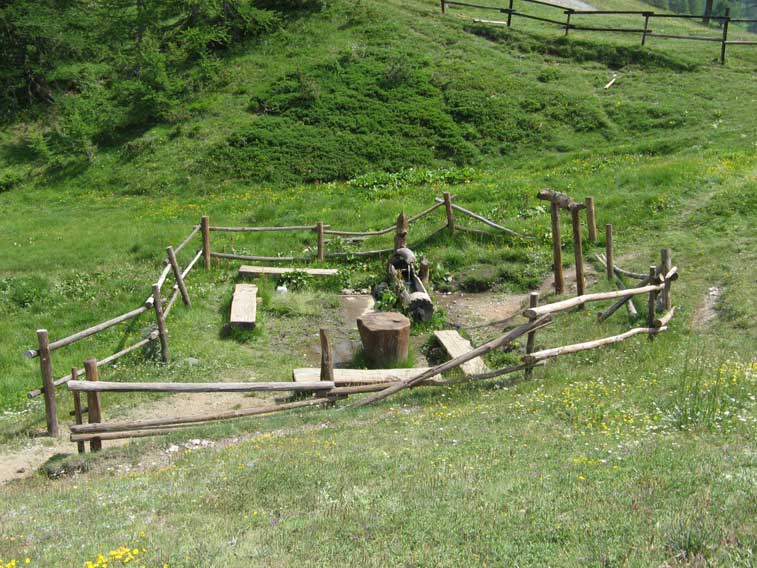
(244, 306)
(456, 345)
(247, 270)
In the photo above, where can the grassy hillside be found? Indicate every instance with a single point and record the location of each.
(633, 455)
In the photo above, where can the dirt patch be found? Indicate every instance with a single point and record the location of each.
(706, 312)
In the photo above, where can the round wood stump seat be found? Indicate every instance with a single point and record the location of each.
(385, 337)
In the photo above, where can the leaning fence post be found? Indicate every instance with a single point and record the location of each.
(93, 402)
(591, 221)
(726, 21)
(608, 252)
(48, 386)
(510, 13)
(569, 12)
(178, 276)
(205, 225)
(77, 408)
(666, 258)
(652, 303)
(575, 213)
(557, 249)
(400, 237)
(646, 28)
(321, 241)
(533, 301)
(450, 213)
(158, 305)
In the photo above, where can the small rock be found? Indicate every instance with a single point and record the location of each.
(192, 361)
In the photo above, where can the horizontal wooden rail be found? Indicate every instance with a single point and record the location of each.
(484, 220)
(263, 229)
(530, 17)
(575, 348)
(686, 16)
(261, 258)
(105, 386)
(361, 233)
(581, 300)
(693, 38)
(124, 434)
(740, 42)
(609, 12)
(359, 253)
(32, 353)
(542, 3)
(614, 30)
(186, 241)
(468, 5)
(424, 213)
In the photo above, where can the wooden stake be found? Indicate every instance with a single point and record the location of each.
(178, 276)
(557, 249)
(533, 301)
(567, 21)
(423, 273)
(725, 35)
(510, 13)
(450, 213)
(205, 227)
(77, 408)
(608, 252)
(400, 237)
(444, 7)
(591, 219)
(162, 332)
(321, 243)
(652, 304)
(666, 257)
(327, 358)
(575, 214)
(646, 29)
(94, 413)
(46, 368)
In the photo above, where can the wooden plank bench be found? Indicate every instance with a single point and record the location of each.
(244, 306)
(456, 345)
(350, 377)
(247, 270)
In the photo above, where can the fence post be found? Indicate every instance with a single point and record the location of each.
(158, 305)
(93, 402)
(321, 241)
(533, 301)
(608, 252)
(48, 387)
(557, 250)
(575, 213)
(77, 408)
(327, 358)
(652, 304)
(205, 224)
(510, 14)
(450, 213)
(666, 258)
(591, 219)
(646, 28)
(178, 277)
(569, 12)
(725, 35)
(400, 237)
(444, 7)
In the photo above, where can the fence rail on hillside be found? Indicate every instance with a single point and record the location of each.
(645, 31)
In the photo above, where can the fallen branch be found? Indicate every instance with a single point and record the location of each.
(665, 319)
(580, 300)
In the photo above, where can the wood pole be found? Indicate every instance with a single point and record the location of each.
(591, 219)
(327, 358)
(205, 226)
(595, 297)
(94, 414)
(723, 45)
(444, 7)
(533, 301)
(510, 13)
(424, 271)
(666, 257)
(162, 332)
(179, 278)
(400, 237)
(48, 387)
(575, 214)
(617, 305)
(608, 252)
(646, 30)
(77, 408)
(652, 304)
(450, 213)
(321, 244)
(569, 12)
(557, 249)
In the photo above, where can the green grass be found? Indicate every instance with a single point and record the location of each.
(636, 454)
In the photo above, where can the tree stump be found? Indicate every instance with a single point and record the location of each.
(385, 337)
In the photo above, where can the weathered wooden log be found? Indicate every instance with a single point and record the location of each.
(596, 297)
(455, 345)
(327, 358)
(609, 254)
(186, 241)
(575, 348)
(423, 273)
(457, 361)
(575, 214)
(484, 220)
(562, 200)
(360, 253)
(78, 415)
(319, 228)
(533, 301)
(245, 270)
(425, 212)
(666, 265)
(354, 377)
(174, 263)
(264, 229)
(161, 321)
(591, 221)
(665, 319)
(400, 237)
(105, 386)
(122, 435)
(46, 370)
(652, 302)
(417, 304)
(32, 353)
(385, 337)
(488, 375)
(557, 249)
(205, 225)
(94, 413)
(192, 419)
(450, 214)
(243, 313)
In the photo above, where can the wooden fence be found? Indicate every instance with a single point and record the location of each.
(645, 31)
(162, 309)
